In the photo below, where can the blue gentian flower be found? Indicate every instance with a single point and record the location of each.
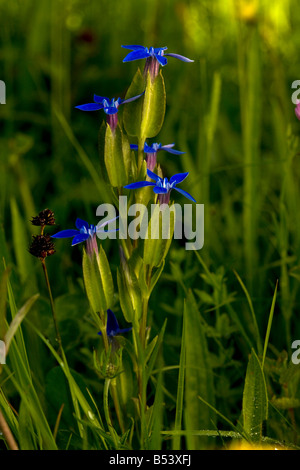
(110, 107)
(163, 186)
(85, 233)
(151, 152)
(155, 147)
(112, 326)
(141, 52)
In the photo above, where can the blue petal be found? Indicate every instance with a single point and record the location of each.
(132, 99)
(140, 184)
(134, 147)
(157, 49)
(153, 176)
(112, 324)
(178, 178)
(90, 107)
(185, 194)
(170, 150)
(149, 148)
(99, 99)
(125, 330)
(107, 222)
(134, 47)
(161, 59)
(65, 234)
(137, 54)
(82, 237)
(160, 190)
(81, 223)
(110, 110)
(180, 57)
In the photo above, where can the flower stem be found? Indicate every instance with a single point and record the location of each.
(58, 338)
(106, 411)
(7, 433)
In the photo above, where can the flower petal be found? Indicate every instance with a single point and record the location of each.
(81, 223)
(170, 150)
(110, 110)
(81, 237)
(139, 184)
(99, 99)
(112, 325)
(153, 176)
(136, 55)
(134, 147)
(134, 47)
(178, 178)
(125, 330)
(160, 190)
(161, 59)
(180, 57)
(65, 234)
(184, 193)
(132, 99)
(90, 107)
(107, 222)
(158, 49)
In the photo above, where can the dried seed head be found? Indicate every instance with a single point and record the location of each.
(45, 217)
(42, 246)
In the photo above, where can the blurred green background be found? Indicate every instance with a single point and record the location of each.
(230, 111)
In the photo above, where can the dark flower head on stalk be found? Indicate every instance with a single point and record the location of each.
(45, 217)
(109, 106)
(41, 246)
(155, 56)
(151, 152)
(85, 233)
(112, 326)
(163, 186)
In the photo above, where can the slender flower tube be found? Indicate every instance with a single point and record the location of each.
(297, 110)
(84, 233)
(162, 186)
(155, 56)
(151, 152)
(110, 107)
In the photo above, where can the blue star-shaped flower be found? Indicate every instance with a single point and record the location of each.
(84, 231)
(155, 147)
(141, 52)
(108, 106)
(112, 326)
(162, 185)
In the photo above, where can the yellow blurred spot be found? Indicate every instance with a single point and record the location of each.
(244, 445)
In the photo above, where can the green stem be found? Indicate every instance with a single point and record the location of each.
(114, 393)
(58, 338)
(106, 411)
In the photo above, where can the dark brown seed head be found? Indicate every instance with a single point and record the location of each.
(45, 217)
(41, 246)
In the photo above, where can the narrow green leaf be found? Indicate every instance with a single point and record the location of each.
(17, 320)
(3, 301)
(269, 326)
(199, 376)
(255, 399)
(180, 393)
